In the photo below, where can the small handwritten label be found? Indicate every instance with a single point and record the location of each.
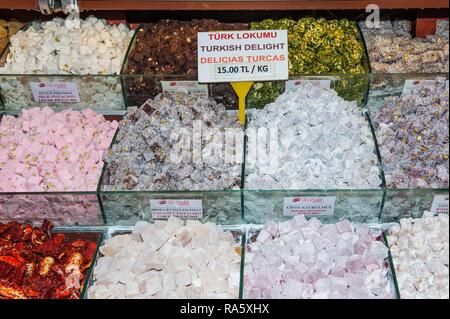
(189, 87)
(440, 204)
(292, 85)
(181, 208)
(55, 92)
(317, 206)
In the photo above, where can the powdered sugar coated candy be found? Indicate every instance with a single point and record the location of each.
(306, 269)
(44, 151)
(305, 157)
(158, 261)
(392, 49)
(53, 151)
(151, 153)
(420, 252)
(412, 132)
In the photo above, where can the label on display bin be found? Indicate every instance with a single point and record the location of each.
(440, 204)
(55, 92)
(292, 85)
(189, 87)
(239, 56)
(181, 208)
(305, 205)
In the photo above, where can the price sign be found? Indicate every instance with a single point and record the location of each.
(190, 87)
(238, 56)
(55, 92)
(181, 208)
(315, 206)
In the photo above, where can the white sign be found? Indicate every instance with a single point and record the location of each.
(316, 206)
(440, 204)
(190, 87)
(181, 208)
(292, 85)
(237, 56)
(55, 92)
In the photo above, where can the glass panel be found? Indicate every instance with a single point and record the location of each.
(101, 93)
(62, 209)
(126, 208)
(407, 203)
(360, 206)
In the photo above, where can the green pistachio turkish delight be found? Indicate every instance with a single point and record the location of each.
(316, 47)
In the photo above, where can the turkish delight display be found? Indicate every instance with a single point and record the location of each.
(153, 149)
(392, 48)
(420, 253)
(38, 264)
(44, 151)
(175, 143)
(71, 46)
(169, 259)
(169, 47)
(303, 259)
(323, 142)
(317, 47)
(412, 134)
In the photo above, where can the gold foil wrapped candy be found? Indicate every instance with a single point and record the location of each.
(316, 47)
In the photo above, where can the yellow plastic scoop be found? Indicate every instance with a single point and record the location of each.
(241, 89)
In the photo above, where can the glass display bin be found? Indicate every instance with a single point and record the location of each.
(237, 231)
(64, 208)
(254, 246)
(420, 101)
(411, 203)
(124, 205)
(230, 207)
(101, 92)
